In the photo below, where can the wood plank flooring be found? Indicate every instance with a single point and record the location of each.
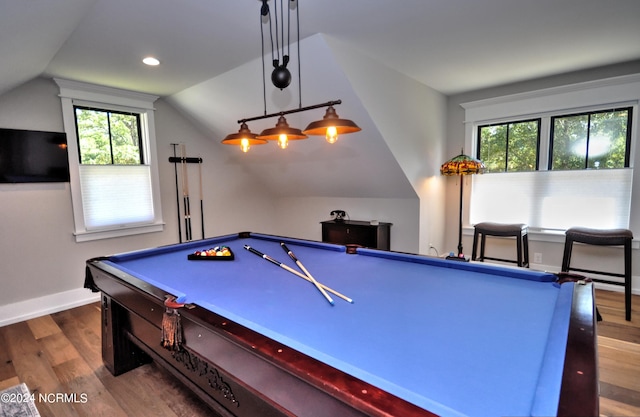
(618, 355)
(61, 354)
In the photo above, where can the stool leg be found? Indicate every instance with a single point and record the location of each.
(627, 280)
(519, 249)
(483, 239)
(525, 241)
(566, 258)
(475, 243)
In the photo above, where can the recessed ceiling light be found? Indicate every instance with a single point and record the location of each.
(151, 61)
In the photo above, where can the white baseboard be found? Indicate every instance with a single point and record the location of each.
(36, 307)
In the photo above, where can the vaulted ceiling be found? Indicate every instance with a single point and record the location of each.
(210, 51)
(449, 45)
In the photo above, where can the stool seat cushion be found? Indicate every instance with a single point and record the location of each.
(603, 237)
(501, 229)
(518, 230)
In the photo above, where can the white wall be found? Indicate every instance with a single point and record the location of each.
(301, 216)
(389, 170)
(42, 268)
(37, 218)
(39, 258)
(357, 165)
(412, 120)
(41, 265)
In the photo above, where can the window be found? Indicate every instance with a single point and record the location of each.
(595, 140)
(584, 174)
(509, 147)
(108, 137)
(114, 184)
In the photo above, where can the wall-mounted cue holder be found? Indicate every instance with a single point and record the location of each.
(188, 160)
(183, 189)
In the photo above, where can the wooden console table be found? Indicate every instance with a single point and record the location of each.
(377, 236)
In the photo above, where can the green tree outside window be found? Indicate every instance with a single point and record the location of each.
(597, 140)
(108, 138)
(510, 147)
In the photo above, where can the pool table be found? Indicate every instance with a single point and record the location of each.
(422, 336)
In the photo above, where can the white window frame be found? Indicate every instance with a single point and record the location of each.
(583, 97)
(74, 93)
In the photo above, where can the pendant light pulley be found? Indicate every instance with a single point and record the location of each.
(330, 126)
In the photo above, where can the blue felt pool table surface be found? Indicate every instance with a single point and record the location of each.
(453, 338)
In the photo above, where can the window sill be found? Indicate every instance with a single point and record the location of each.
(86, 236)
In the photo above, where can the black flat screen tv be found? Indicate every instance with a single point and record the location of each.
(33, 156)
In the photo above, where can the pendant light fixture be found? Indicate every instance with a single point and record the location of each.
(245, 138)
(282, 133)
(331, 126)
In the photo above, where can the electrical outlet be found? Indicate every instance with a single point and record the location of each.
(537, 258)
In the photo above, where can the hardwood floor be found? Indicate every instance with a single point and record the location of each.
(618, 355)
(61, 354)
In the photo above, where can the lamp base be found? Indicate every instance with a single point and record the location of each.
(458, 258)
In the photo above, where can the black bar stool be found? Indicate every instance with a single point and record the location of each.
(602, 237)
(519, 231)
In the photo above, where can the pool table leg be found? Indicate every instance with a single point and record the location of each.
(118, 352)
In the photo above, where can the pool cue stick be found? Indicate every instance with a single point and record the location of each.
(175, 168)
(185, 192)
(294, 272)
(313, 280)
(201, 203)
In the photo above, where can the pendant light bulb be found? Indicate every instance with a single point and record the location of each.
(244, 145)
(283, 141)
(245, 138)
(331, 125)
(332, 134)
(282, 133)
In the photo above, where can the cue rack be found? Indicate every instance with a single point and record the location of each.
(182, 187)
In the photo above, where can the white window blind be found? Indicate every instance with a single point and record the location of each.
(554, 200)
(112, 200)
(116, 195)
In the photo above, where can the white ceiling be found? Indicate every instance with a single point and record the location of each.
(208, 48)
(449, 45)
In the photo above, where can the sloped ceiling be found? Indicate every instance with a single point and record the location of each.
(32, 34)
(450, 45)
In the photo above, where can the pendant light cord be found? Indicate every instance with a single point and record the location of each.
(265, 11)
(298, 34)
(265, 8)
(288, 30)
(275, 12)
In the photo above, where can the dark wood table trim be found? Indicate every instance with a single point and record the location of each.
(579, 395)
